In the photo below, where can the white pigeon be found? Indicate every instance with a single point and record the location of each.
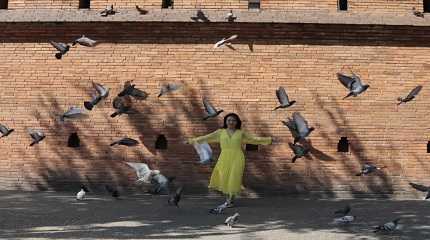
(225, 41)
(81, 194)
(230, 221)
(144, 174)
(344, 220)
(204, 151)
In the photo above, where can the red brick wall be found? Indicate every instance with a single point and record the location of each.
(302, 58)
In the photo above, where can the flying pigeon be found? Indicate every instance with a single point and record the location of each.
(204, 151)
(175, 198)
(73, 112)
(368, 168)
(37, 136)
(160, 183)
(344, 211)
(299, 151)
(200, 16)
(387, 227)
(225, 41)
(283, 98)
(210, 109)
(85, 41)
(345, 219)
(170, 87)
(353, 84)
(81, 194)
(141, 10)
(108, 11)
(230, 16)
(5, 131)
(412, 94)
(129, 89)
(122, 105)
(143, 173)
(421, 188)
(114, 192)
(292, 127)
(102, 93)
(298, 126)
(126, 142)
(417, 13)
(61, 47)
(230, 221)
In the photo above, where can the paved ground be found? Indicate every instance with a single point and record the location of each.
(48, 215)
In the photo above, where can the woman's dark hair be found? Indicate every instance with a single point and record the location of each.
(238, 124)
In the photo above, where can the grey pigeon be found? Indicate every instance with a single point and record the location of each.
(225, 41)
(81, 194)
(160, 183)
(85, 41)
(210, 109)
(299, 127)
(299, 151)
(368, 168)
(122, 106)
(61, 47)
(232, 220)
(200, 16)
(412, 94)
(422, 188)
(387, 227)
(176, 197)
(283, 98)
(345, 219)
(131, 90)
(353, 84)
(102, 93)
(167, 88)
(126, 142)
(141, 10)
(73, 112)
(113, 191)
(37, 136)
(108, 11)
(230, 16)
(344, 211)
(417, 13)
(5, 131)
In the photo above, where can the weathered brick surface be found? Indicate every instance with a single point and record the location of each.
(304, 58)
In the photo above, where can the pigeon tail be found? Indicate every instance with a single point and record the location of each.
(294, 159)
(349, 95)
(114, 114)
(206, 118)
(278, 107)
(88, 105)
(113, 143)
(159, 95)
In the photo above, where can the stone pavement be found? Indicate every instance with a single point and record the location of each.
(57, 215)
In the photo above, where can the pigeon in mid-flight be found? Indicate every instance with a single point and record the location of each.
(210, 109)
(141, 10)
(299, 151)
(36, 136)
(344, 211)
(167, 88)
(225, 41)
(130, 90)
(204, 151)
(422, 188)
(62, 48)
(143, 172)
(102, 93)
(200, 16)
(5, 131)
(368, 168)
(232, 220)
(388, 227)
(176, 197)
(130, 142)
(122, 106)
(85, 41)
(283, 98)
(412, 94)
(230, 16)
(113, 191)
(299, 127)
(73, 112)
(81, 194)
(108, 11)
(353, 84)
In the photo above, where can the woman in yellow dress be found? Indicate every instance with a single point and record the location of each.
(227, 174)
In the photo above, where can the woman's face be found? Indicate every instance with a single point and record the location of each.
(231, 122)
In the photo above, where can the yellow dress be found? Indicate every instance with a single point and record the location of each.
(227, 174)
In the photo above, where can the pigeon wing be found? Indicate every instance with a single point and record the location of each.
(58, 46)
(3, 129)
(282, 95)
(414, 92)
(345, 80)
(142, 169)
(102, 91)
(301, 123)
(209, 107)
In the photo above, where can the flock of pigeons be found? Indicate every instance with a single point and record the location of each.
(122, 104)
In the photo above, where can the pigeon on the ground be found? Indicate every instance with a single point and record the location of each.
(412, 94)
(130, 142)
(210, 109)
(130, 90)
(344, 211)
(232, 220)
(73, 112)
(114, 192)
(345, 219)
(200, 16)
(36, 136)
(5, 131)
(353, 84)
(283, 98)
(167, 88)
(108, 11)
(230, 16)
(141, 10)
(61, 47)
(368, 168)
(102, 93)
(387, 227)
(85, 41)
(299, 151)
(417, 13)
(299, 127)
(176, 197)
(204, 151)
(122, 106)
(422, 188)
(81, 194)
(225, 41)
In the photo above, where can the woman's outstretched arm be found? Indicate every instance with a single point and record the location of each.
(212, 137)
(250, 139)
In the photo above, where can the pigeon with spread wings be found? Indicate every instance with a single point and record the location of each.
(61, 47)
(422, 188)
(210, 109)
(353, 84)
(283, 98)
(412, 94)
